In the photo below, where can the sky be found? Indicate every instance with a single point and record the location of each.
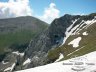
(46, 10)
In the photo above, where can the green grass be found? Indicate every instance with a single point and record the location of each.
(20, 37)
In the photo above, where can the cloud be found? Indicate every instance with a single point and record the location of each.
(50, 13)
(15, 8)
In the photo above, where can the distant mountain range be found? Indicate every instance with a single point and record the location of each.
(70, 36)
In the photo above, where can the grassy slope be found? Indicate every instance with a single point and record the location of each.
(87, 45)
(20, 36)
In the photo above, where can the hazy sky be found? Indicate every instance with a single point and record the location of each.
(46, 10)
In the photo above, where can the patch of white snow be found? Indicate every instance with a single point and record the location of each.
(4, 62)
(18, 53)
(85, 33)
(60, 57)
(9, 69)
(90, 22)
(67, 33)
(77, 28)
(27, 61)
(75, 42)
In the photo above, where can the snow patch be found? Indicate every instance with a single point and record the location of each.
(18, 53)
(67, 33)
(4, 62)
(9, 69)
(85, 33)
(86, 25)
(27, 61)
(69, 65)
(75, 42)
(60, 57)
(77, 28)
(90, 22)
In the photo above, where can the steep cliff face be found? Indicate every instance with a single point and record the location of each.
(53, 36)
(46, 47)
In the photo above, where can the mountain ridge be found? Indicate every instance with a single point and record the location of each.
(60, 38)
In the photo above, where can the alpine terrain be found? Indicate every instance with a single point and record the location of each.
(69, 44)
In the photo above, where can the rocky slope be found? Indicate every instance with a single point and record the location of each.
(69, 36)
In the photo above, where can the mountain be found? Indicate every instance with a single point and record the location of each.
(67, 37)
(79, 39)
(16, 33)
(56, 40)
